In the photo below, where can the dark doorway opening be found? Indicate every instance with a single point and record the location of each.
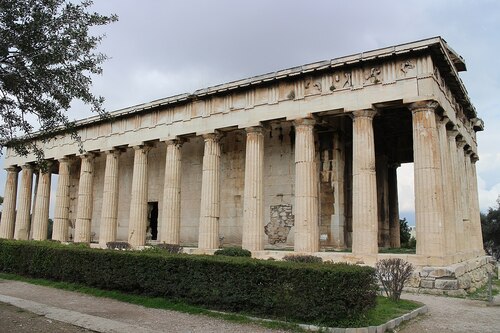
(153, 220)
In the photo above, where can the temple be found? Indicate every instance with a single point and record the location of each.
(304, 158)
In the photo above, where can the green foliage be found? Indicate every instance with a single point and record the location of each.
(50, 226)
(404, 233)
(305, 258)
(323, 294)
(233, 252)
(47, 57)
(490, 225)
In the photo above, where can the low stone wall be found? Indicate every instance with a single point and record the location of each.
(454, 280)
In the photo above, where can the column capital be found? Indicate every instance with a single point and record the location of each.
(27, 167)
(115, 152)
(304, 122)
(145, 148)
(67, 159)
(175, 142)
(216, 136)
(474, 158)
(254, 129)
(12, 168)
(365, 113)
(423, 106)
(452, 133)
(461, 143)
(88, 155)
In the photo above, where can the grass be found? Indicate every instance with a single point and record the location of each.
(385, 310)
(401, 250)
(482, 293)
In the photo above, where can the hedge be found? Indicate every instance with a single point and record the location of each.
(314, 293)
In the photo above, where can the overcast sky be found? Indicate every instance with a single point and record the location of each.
(162, 48)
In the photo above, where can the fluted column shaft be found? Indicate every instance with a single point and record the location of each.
(382, 175)
(447, 181)
(475, 216)
(429, 206)
(42, 203)
(208, 237)
(394, 206)
(253, 209)
(364, 185)
(9, 204)
(23, 217)
(306, 188)
(170, 227)
(138, 220)
(61, 214)
(85, 200)
(109, 212)
(338, 218)
(456, 190)
(463, 195)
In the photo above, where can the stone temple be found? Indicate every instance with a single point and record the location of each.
(303, 158)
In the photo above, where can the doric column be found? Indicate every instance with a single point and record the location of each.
(384, 229)
(364, 185)
(429, 205)
(306, 188)
(253, 209)
(394, 205)
(9, 204)
(138, 220)
(338, 218)
(23, 217)
(463, 195)
(109, 212)
(42, 203)
(85, 200)
(447, 181)
(170, 227)
(475, 216)
(61, 214)
(473, 237)
(456, 188)
(208, 237)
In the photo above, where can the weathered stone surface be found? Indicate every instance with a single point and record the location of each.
(281, 221)
(427, 283)
(381, 328)
(440, 272)
(456, 293)
(464, 281)
(446, 284)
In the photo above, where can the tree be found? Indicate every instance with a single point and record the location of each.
(490, 226)
(404, 231)
(47, 58)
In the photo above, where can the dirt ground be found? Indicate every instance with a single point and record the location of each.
(16, 320)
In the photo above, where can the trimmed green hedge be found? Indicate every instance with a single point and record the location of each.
(316, 293)
(233, 252)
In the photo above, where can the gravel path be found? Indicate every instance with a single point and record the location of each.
(112, 315)
(49, 305)
(453, 315)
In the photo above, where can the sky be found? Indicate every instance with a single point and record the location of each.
(162, 48)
